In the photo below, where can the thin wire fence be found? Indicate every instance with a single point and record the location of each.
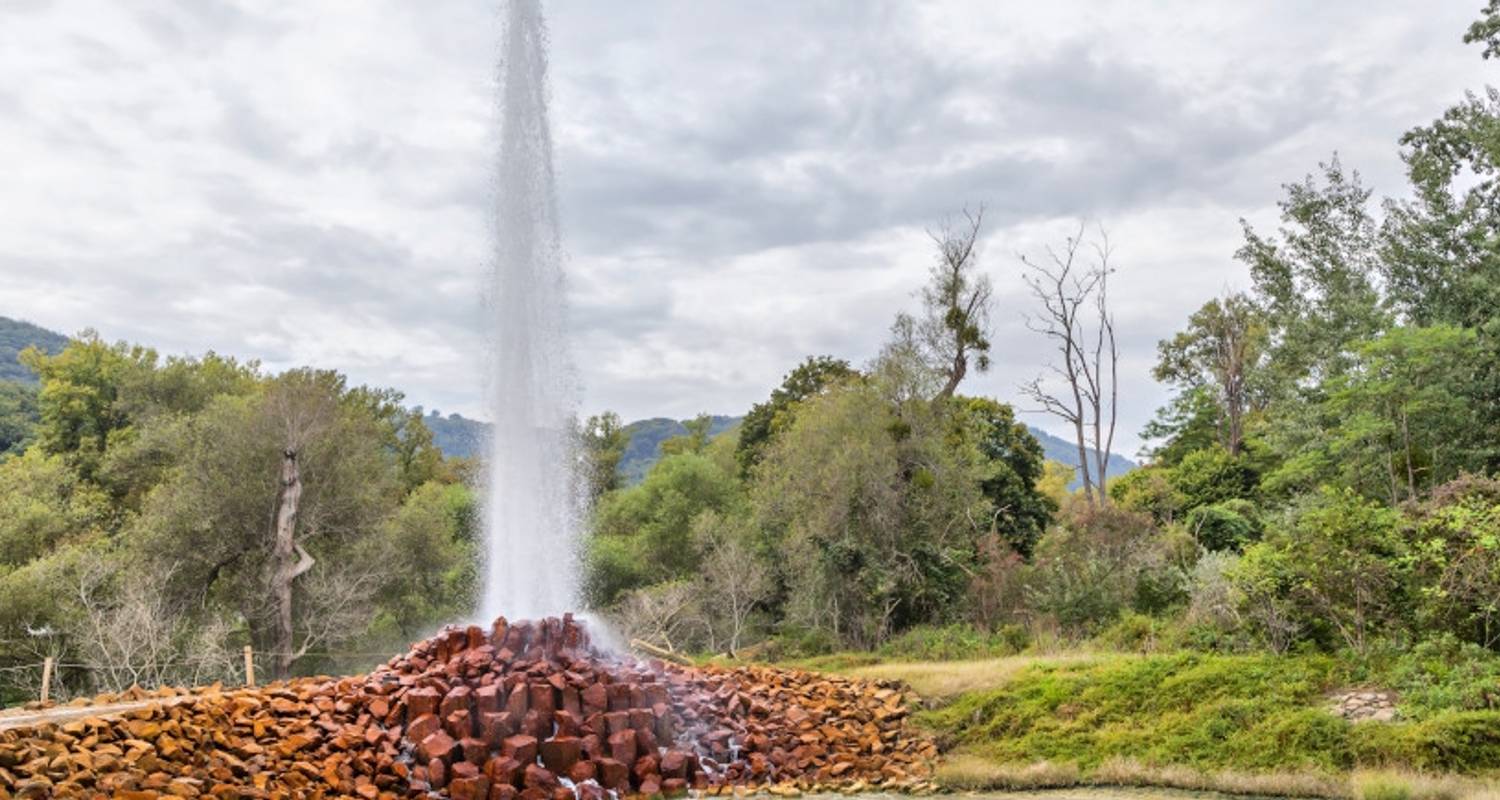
(54, 680)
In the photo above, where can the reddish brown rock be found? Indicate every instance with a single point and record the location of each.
(537, 776)
(502, 769)
(622, 747)
(583, 771)
(438, 746)
(520, 747)
(613, 774)
(560, 753)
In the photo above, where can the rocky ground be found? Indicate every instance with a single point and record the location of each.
(530, 710)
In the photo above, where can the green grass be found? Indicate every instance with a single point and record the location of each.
(1207, 712)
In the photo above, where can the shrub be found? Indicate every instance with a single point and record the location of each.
(1455, 539)
(955, 643)
(1228, 525)
(1333, 570)
(1148, 490)
(1100, 561)
(1132, 632)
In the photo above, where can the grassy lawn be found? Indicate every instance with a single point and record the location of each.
(1254, 724)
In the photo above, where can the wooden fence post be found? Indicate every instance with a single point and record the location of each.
(47, 680)
(249, 667)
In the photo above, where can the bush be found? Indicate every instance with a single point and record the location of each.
(1133, 633)
(1098, 562)
(1229, 525)
(1437, 676)
(955, 643)
(1455, 541)
(1333, 571)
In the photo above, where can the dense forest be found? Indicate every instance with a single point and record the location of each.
(1323, 480)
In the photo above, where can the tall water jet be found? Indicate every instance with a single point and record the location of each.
(532, 514)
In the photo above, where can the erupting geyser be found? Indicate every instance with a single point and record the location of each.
(532, 511)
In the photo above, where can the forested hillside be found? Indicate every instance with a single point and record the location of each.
(460, 437)
(17, 335)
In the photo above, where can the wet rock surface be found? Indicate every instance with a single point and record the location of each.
(530, 710)
(1365, 705)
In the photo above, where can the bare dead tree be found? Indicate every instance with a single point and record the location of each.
(1075, 317)
(658, 615)
(733, 583)
(303, 412)
(956, 301)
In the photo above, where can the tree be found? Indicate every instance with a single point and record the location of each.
(1190, 422)
(734, 582)
(1076, 319)
(1221, 351)
(695, 440)
(1455, 538)
(956, 304)
(1486, 30)
(644, 534)
(812, 377)
(269, 510)
(873, 514)
(604, 441)
(1012, 459)
(18, 416)
(77, 401)
(1316, 281)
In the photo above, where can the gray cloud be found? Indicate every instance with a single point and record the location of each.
(741, 186)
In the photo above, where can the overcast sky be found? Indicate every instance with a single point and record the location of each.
(307, 182)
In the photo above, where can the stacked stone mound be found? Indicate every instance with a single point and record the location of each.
(526, 710)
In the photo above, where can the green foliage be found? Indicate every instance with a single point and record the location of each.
(171, 468)
(1098, 562)
(955, 642)
(1148, 490)
(1434, 676)
(18, 416)
(810, 378)
(1013, 459)
(1334, 568)
(1186, 424)
(42, 505)
(1455, 540)
(871, 510)
(1220, 358)
(604, 441)
(1212, 476)
(433, 536)
(1229, 525)
(1203, 711)
(1249, 713)
(644, 534)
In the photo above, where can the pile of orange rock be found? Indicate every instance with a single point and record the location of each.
(528, 710)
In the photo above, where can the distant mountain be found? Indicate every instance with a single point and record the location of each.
(461, 437)
(457, 435)
(646, 437)
(15, 336)
(1056, 448)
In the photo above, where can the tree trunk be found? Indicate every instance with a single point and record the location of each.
(286, 569)
(956, 373)
(1084, 470)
